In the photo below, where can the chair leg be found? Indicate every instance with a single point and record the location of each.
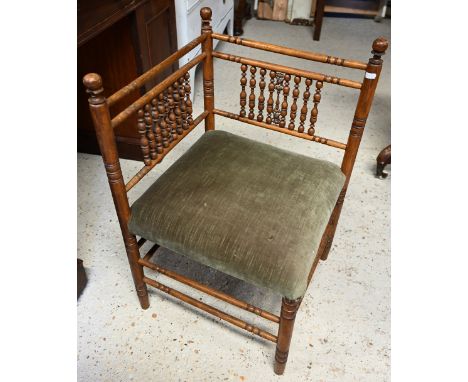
(288, 314)
(327, 241)
(133, 255)
(327, 238)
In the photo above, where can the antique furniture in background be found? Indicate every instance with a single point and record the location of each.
(355, 8)
(347, 8)
(384, 158)
(318, 18)
(272, 10)
(121, 39)
(384, 5)
(81, 279)
(242, 10)
(218, 203)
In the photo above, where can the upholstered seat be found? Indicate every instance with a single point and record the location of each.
(245, 208)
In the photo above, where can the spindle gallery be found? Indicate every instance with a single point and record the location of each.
(208, 204)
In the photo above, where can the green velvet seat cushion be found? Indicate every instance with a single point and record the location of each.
(243, 207)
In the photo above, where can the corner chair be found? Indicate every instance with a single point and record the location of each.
(251, 210)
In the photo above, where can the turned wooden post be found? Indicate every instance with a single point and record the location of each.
(366, 96)
(106, 139)
(208, 86)
(289, 309)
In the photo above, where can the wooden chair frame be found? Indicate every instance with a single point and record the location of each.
(155, 145)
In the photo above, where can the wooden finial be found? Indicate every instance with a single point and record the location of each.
(379, 46)
(93, 83)
(205, 14)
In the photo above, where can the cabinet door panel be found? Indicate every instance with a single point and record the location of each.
(157, 35)
(136, 35)
(112, 55)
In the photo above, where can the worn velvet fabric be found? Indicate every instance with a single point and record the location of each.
(245, 208)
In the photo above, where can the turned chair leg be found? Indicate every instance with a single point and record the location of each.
(288, 314)
(327, 238)
(133, 254)
(327, 247)
(327, 242)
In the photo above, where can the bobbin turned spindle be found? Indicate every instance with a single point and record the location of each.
(149, 132)
(252, 84)
(306, 96)
(271, 89)
(243, 93)
(284, 104)
(261, 97)
(297, 81)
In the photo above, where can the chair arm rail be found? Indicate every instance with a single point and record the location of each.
(155, 70)
(312, 56)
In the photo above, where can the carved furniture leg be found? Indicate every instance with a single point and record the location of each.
(133, 255)
(288, 314)
(383, 159)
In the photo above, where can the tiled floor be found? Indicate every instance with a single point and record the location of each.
(342, 330)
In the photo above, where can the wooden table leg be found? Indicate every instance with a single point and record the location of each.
(318, 18)
(381, 12)
(239, 14)
(383, 159)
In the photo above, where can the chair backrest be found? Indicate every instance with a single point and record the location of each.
(165, 111)
(287, 110)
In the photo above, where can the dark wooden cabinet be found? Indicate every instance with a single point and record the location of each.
(120, 40)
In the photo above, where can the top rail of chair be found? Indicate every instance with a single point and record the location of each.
(155, 70)
(312, 56)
